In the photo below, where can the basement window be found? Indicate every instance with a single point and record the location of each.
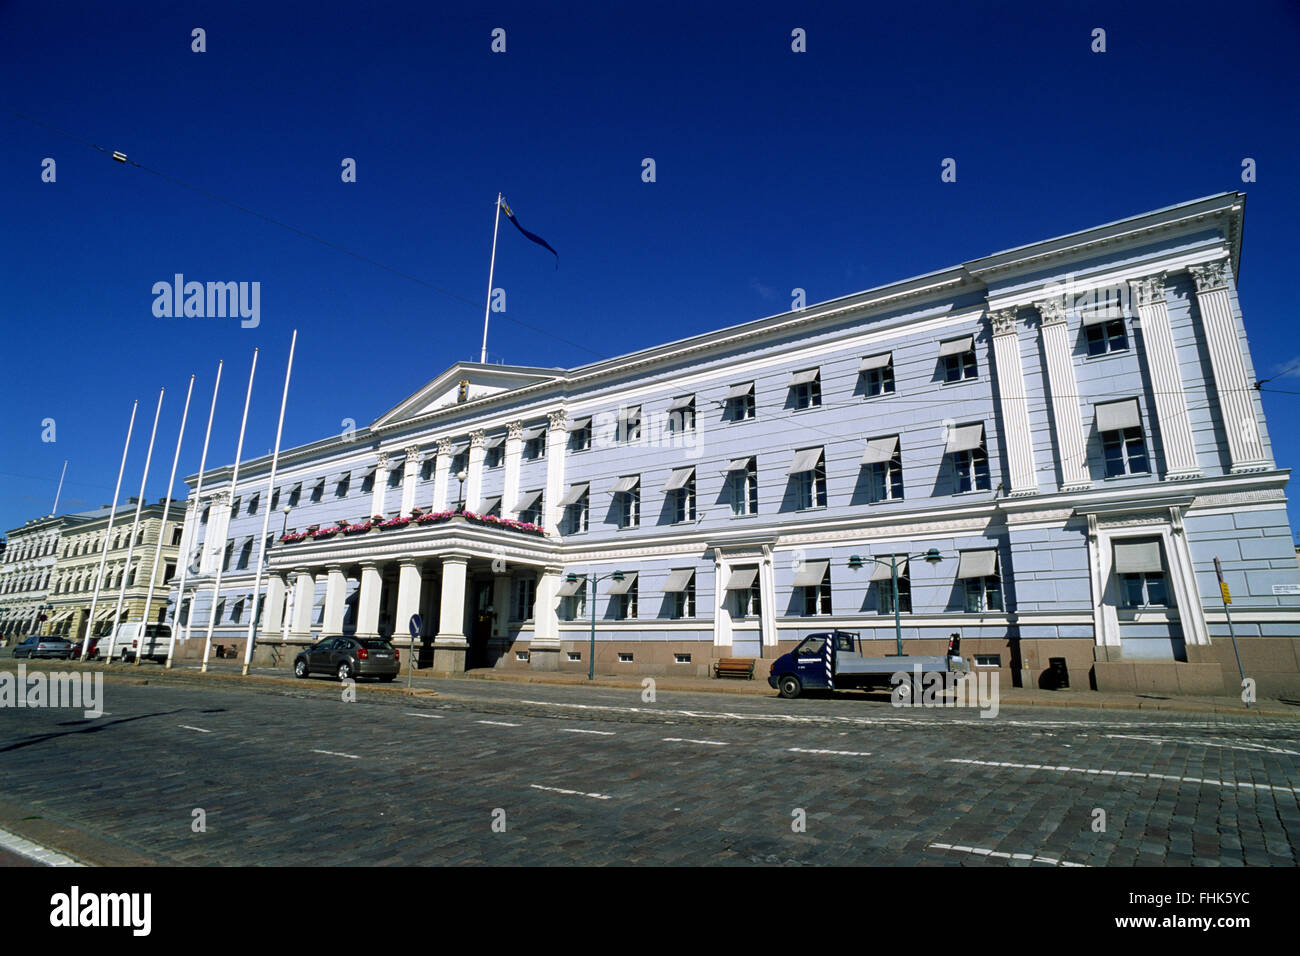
(988, 660)
(521, 655)
(575, 656)
(624, 657)
(681, 658)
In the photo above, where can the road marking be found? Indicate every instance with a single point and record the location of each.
(335, 753)
(837, 753)
(429, 716)
(688, 740)
(981, 851)
(1209, 742)
(1128, 773)
(499, 723)
(575, 730)
(571, 793)
(188, 727)
(34, 851)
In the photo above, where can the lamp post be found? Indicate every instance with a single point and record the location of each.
(460, 503)
(930, 557)
(592, 580)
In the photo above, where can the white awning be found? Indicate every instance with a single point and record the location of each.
(876, 361)
(626, 483)
(570, 588)
(527, 500)
(978, 564)
(1115, 416)
(578, 424)
(880, 450)
(741, 579)
(495, 442)
(679, 478)
(739, 464)
(632, 414)
(1102, 314)
(805, 460)
(530, 434)
(622, 587)
(680, 403)
(883, 572)
(489, 503)
(964, 438)
(574, 494)
(804, 377)
(811, 574)
(740, 391)
(458, 448)
(679, 580)
(1136, 556)
(957, 346)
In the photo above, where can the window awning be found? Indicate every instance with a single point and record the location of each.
(964, 438)
(957, 346)
(570, 588)
(527, 500)
(1102, 314)
(532, 434)
(804, 377)
(489, 503)
(740, 391)
(632, 414)
(626, 483)
(622, 587)
(574, 494)
(295, 488)
(741, 578)
(978, 564)
(1116, 416)
(495, 442)
(1136, 556)
(679, 580)
(880, 450)
(739, 464)
(679, 478)
(458, 448)
(805, 460)
(883, 572)
(578, 424)
(811, 574)
(684, 402)
(876, 361)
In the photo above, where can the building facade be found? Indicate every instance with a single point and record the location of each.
(1071, 425)
(26, 565)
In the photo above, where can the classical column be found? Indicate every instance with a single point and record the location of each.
(1166, 382)
(410, 475)
(544, 650)
(1234, 389)
(368, 600)
(214, 542)
(514, 454)
(273, 608)
(441, 471)
(408, 598)
(557, 441)
(450, 646)
(380, 488)
(721, 617)
(304, 596)
(1014, 402)
(1064, 388)
(474, 481)
(336, 591)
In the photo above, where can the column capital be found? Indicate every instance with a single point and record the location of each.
(514, 431)
(557, 419)
(1051, 310)
(1004, 320)
(453, 559)
(220, 497)
(383, 459)
(444, 447)
(477, 438)
(1149, 290)
(412, 453)
(1210, 276)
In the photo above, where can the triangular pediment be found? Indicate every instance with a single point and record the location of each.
(464, 382)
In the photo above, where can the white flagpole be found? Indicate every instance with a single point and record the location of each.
(103, 557)
(162, 527)
(130, 542)
(234, 484)
(487, 307)
(266, 516)
(183, 559)
(59, 492)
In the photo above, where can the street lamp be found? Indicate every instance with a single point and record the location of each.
(593, 580)
(930, 557)
(461, 476)
(286, 509)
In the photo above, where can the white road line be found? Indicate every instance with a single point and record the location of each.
(837, 753)
(575, 730)
(188, 727)
(34, 851)
(1128, 773)
(335, 753)
(689, 740)
(429, 716)
(499, 723)
(1209, 742)
(981, 851)
(571, 793)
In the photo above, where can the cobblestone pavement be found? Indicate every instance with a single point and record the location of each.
(489, 773)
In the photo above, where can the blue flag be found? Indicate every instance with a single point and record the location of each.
(529, 235)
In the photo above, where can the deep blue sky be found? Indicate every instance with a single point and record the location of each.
(775, 170)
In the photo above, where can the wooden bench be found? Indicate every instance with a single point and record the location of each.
(734, 667)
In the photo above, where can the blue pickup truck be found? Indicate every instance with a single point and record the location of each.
(833, 660)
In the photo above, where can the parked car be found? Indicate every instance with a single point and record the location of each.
(125, 642)
(37, 646)
(349, 657)
(94, 649)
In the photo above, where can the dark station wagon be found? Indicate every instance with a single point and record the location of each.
(349, 658)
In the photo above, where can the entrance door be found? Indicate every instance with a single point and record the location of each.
(481, 625)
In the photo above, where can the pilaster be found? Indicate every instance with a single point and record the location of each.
(1166, 381)
(1014, 403)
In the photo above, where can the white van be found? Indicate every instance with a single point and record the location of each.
(127, 640)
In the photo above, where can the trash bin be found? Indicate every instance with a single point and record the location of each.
(1060, 674)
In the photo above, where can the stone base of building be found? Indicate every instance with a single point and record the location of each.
(1158, 677)
(544, 658)
(1272, 662)
(449, 656)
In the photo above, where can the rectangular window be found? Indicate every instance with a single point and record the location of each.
(577, 515)
(575, 656)
(341, 489)
(810, 486)
(740, 402)
(972, 469)
(573, 607)
(624, 657)
(1145, 589)
(1125, 452)
(681, 585)
(275, 499)
(817, 597)
(494, 457)
(524, 597)
(625, 604)
(317, 490)
(884, 462)
(533, 513)
(395, 478)
(983, 594)
(684, 502)
(880, 381)
(629, 424)
(681, 658)
(580, 434)
(988, 660)
(742, 485)
(534, 444)
(629, 507)
(1106, 337)
(886, 591)
(806, 389)
(957, 358)
(176, 535)
(681, 416)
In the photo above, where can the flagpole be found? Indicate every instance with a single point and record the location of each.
(162, 527)
(487, 306)
(266, 516)
(103, 556)
(59, 492)
(130, 541)
(198, 504)
(234, 485)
